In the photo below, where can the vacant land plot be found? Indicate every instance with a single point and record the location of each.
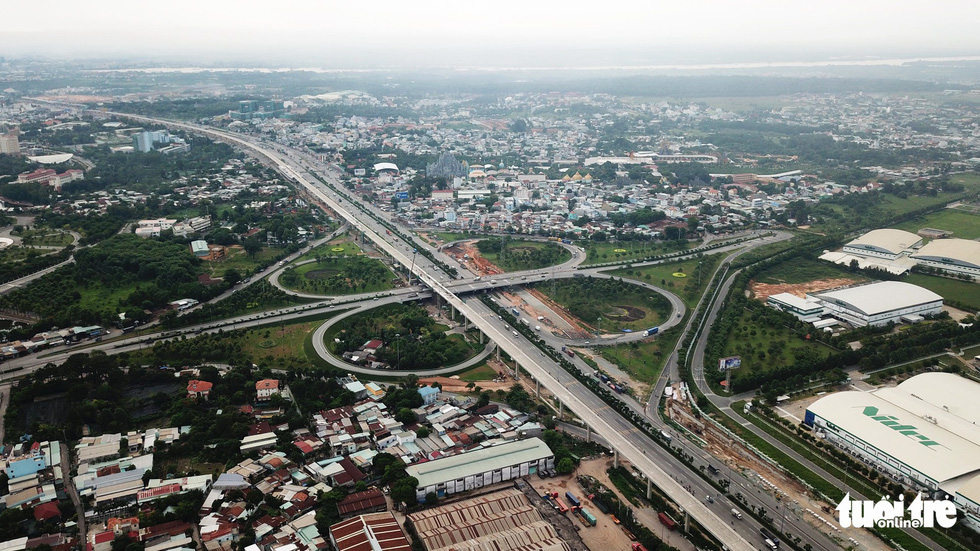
(962, 224)
(802, 270)
(341, 246)
(447, 237)
(600, 253)
(681, 278)
(764, 346)
(279, 345)
(611, 304)
(236, 258)
(46, 238)
(801, 276)
(643, 360)
(339, 276)
(524, 255)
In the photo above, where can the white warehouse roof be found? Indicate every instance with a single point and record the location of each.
(879, 297)
(886, 240)
(951, 251)
(905, 423)
(476, 462)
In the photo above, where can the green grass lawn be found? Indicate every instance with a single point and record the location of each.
(969, 353)
(965, 293)
(644, 361)
(800, 270)
(46, 238)
(278, 346)
(316, 277)
(897, 205)
(620, 306)
(18, 254)
(526, 255)
(332, 249)
(962, 224)
(478, 374)
(763, 346)
(237, 259)
(689, 287)
(98, 298)
(601, 253)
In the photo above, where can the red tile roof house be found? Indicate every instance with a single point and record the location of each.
(198, 389)
(265, 388)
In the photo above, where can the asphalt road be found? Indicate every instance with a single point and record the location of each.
(665, 472)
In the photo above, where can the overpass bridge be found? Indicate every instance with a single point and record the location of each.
(622, 436)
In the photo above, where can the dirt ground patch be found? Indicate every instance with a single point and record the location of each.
(626, 313)
(578, 333)
(456, 385)
(606, 534)
(750, 474)
(762, 291)
(467, 253)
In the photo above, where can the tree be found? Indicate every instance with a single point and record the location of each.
(382, 460)
(252, 246)
(403, 491)
(565, 465)
(405, 416)
(232, 276)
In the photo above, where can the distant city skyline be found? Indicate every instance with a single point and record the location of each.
(504, 33)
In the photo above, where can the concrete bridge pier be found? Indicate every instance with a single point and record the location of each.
(615, 459)
(687, 522)
(537, 389)
(649, 489)
(498, 353)
(588, 433)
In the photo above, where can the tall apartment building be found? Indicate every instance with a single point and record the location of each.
(10, 143)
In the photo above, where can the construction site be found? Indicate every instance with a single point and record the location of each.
(748, 472)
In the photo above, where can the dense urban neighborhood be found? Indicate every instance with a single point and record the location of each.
(298, 310)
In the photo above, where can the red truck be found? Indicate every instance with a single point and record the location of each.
(639, 547)
(667, 521)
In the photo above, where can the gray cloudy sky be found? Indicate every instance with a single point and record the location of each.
(328, 33)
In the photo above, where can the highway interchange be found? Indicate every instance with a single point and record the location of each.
(688, 489)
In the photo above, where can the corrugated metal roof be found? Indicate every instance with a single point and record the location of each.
(479, 461)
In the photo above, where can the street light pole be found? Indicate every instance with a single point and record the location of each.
(411, 271)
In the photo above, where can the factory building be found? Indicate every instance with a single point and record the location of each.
(879, 303)
(481, 467)
(503, 520)
(884, 243)
(957, 256)
(922, 433)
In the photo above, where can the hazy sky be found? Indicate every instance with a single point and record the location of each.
(328, 33)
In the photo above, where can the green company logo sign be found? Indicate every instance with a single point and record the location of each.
(891, 422)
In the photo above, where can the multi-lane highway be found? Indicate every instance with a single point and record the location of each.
(621, 435)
